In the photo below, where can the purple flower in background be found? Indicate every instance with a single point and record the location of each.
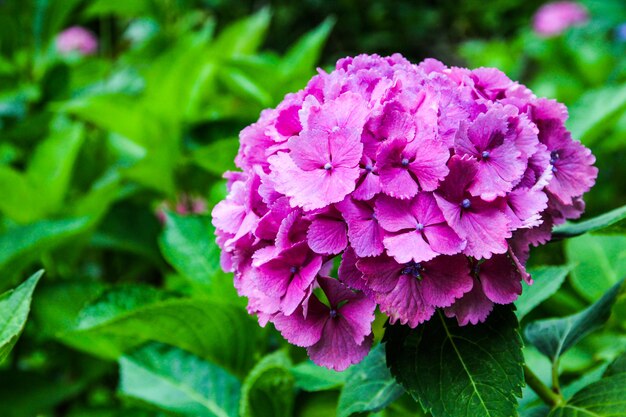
(77, 39)
(552, 19)
(429, 184)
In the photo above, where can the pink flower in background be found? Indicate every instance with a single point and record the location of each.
(187, 205)
(552, 19)
(77, 39)
(422, 186)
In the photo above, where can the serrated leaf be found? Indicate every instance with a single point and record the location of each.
(176, 381)
(612, 222)
(268, 390)
(603, 398)
(312, 378)
(14, 309)
(188, 244)
(547, 280)
(600, 262)
(128, 316)
(369, 385)
(469, 371)
(553, 337)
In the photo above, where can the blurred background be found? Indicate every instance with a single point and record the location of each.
(118, 118)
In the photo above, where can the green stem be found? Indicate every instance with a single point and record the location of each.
(556, 387)
(546, 394)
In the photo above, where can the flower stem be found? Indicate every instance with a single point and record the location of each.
(555, 377)
(546, 394)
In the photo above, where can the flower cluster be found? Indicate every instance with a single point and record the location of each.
(418, 186)
(77, 39)
(552, 19)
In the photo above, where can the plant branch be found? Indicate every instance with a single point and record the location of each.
(546, 394)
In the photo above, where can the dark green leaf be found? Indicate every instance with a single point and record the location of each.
(14, 309)
(268, 390)
(128, 316)
(600, 261)
(554, 336)
(176, 381)
(603, 398)
(369, 385)
(469, 371)
(547, 280)
(310, 377)
(612, 222)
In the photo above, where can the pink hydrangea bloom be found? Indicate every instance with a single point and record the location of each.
(552, 19)
(428, 183)
(77, 39)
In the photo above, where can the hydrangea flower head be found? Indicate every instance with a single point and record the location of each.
(427, 184)
(554, 18)
(77, 39)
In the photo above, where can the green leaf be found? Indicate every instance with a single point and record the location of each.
(600, 262)
(606, 397)
(218, 156)
(128, 316)
(52, 163)
(310, 377)
(547, 280)
(612, 222)
(555, 336)
(469, 371)
(176, 381)
(369, 385)
(21, 245)
(268, 390)
(305, 53)
(595, 112)
(57, 305)
(188, 244)
(19, 199)
(14, 309)
(242, 37)
(618, 366)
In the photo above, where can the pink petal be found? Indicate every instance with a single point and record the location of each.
(327, 235)
(500, 279)
(336, 349)
(408, 246)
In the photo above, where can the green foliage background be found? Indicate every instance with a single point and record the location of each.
(102, 157)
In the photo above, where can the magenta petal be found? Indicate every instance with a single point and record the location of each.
(308, 151)
(394, 215)
(500, 279)
(405, 302)
(474, 307)
(299, 285)
(366, 236)
(337, 349)
(429, 162)
(409, 246)
(327, 235)
(497, 174)
(311, 189)
(446, 278)
(381, 273)
(348, 273)
(367, 187)
(303, 331)
(443, 239)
